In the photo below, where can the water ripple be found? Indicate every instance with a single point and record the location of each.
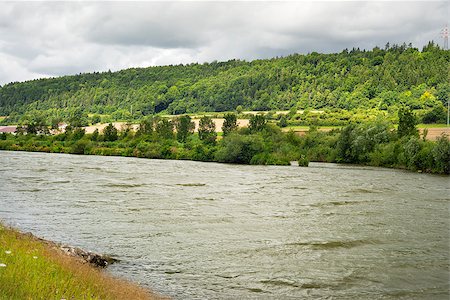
(195, 230)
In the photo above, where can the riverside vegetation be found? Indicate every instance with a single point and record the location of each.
(32, 269)
(375, 143)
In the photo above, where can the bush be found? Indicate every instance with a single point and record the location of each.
(406, 122)
(436, 115)
(77, 133)
(79, 147)
(236, 148)
(411, 150)
(303, 161)
(283, 122)
(441, 155)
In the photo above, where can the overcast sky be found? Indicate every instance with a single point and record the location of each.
(41, 39)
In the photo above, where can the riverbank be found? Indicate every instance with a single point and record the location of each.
(34, 268)
(377, 144)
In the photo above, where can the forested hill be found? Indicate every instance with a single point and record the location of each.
(351, 79)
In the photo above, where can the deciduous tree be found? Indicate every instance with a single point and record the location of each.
(207, 130)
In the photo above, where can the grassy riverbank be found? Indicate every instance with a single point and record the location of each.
(33, 269)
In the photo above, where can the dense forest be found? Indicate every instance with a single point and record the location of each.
(379, 79)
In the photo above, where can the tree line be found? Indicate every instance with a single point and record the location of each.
(376, 143)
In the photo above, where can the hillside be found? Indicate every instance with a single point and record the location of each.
(379, 78)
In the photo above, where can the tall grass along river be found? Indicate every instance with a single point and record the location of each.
(195, 230)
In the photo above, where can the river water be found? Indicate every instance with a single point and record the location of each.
(195, 230)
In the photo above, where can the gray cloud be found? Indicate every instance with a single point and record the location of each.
(42, 39)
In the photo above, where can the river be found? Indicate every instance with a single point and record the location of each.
(195, 230)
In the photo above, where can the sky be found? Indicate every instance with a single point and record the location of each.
(47, 39)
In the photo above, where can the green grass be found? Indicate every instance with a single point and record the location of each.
(32, 269)
(431, 125)
(301, 128)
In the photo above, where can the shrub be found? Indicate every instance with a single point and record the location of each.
(441, 155)
(236, 148)
(303, 161)
(79, 147)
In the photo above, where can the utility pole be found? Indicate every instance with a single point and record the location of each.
(444, 35)
(448, 108)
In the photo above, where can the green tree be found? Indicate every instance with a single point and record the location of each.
(96, 119)
(164, 129)
(437, 115)
(36, 124)
(229, 123)
(411, 152)
(185, 127)
(55, 123)
(406, 122)
(441, 155)
(283, 121)
(207, 130)
(78, 133)
(236, 148)
(344, 144)
(94, 136)
(126, 131)
(146, 126)
(110, 133)
(257, 123)
(78, 118)
(292, 112)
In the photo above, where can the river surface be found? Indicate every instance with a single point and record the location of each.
(195, 230)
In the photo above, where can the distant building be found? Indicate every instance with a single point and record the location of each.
(61, 128)
(8, 129)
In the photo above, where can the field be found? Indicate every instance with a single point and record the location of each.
(122, 125)
(434, 132)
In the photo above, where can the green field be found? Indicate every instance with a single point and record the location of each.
(431, 125)
(305, 128)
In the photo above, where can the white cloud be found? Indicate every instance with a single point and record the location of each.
(49, 39)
